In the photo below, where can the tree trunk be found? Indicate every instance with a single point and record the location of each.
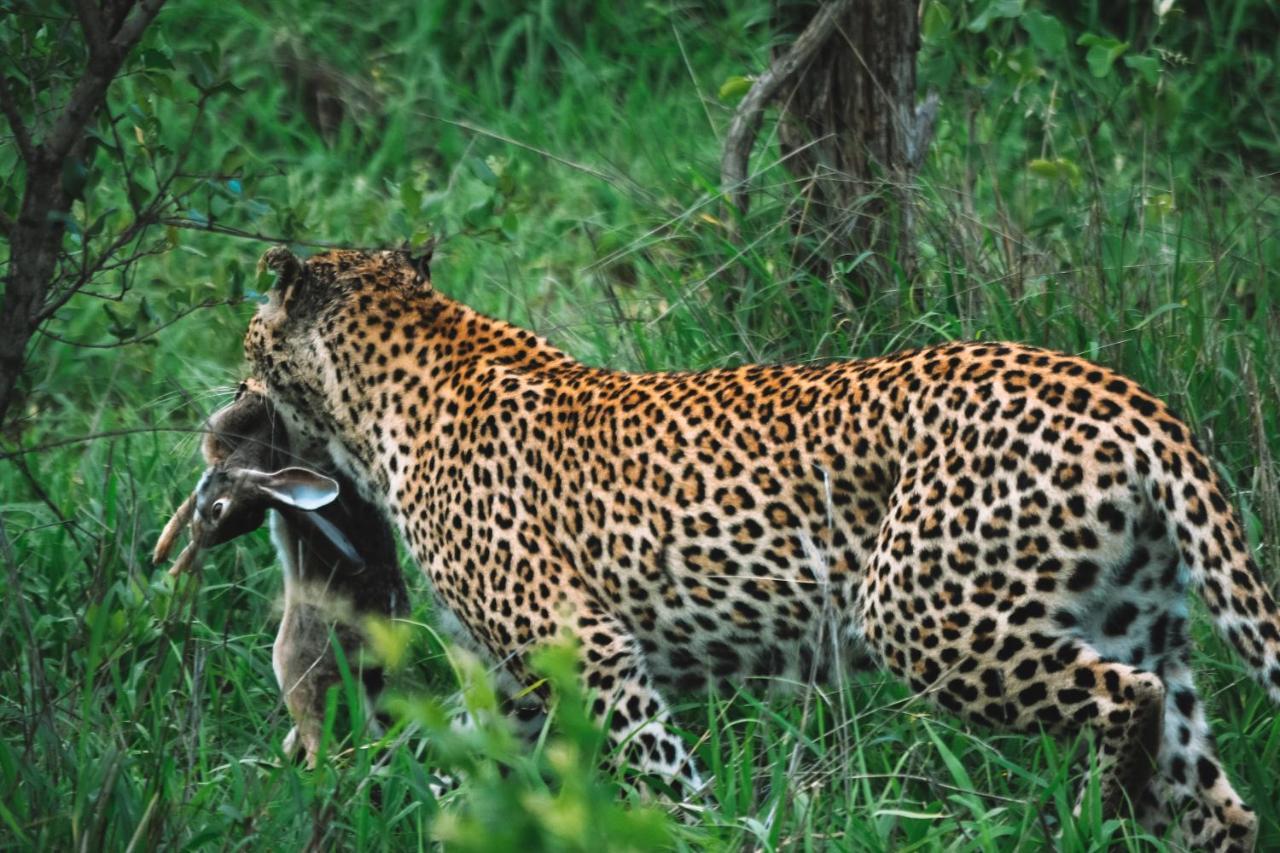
(34, 245)
(849, 132)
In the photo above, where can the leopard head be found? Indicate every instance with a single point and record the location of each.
(323, 339)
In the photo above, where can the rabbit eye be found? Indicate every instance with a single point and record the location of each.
(218, 508)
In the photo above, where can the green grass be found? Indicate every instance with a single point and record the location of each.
(136, 710)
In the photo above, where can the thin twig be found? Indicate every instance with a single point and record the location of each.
(240, 233)
(95, 436)
(684, 215)
(564, 161)
(150, 333)
(143, 220)
(693, 78)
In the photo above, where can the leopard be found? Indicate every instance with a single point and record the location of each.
(1013, 532)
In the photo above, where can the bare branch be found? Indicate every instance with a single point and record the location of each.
(150, 333)
(746, 120)
(91, 24)
(87, 96)
(240, 233)
(10, 452)
(133, 231)
(20, 135)
(135, 25)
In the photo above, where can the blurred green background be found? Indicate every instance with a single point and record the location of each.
(1103, 181)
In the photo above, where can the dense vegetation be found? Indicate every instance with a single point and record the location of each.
(1103, 181)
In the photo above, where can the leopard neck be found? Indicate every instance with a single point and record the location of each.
(408, 370)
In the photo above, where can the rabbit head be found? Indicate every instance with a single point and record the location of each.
(244, 446)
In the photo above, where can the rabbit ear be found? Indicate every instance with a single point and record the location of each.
(300, 488)
(304, 489)
(336, 537)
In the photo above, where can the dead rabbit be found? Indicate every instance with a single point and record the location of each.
(336, 549)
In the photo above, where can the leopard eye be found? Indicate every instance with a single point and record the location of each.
(219, 507)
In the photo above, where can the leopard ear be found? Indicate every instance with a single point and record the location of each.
(420, 259)
(284, 263)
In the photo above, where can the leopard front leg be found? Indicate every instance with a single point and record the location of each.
(615, 678)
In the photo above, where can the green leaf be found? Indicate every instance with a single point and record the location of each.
(95, 227)
(733, 88)
(1169, 103)
(1058, 169)
(1147, 66)
(1161, 205)
(481, 170)
(144, 315)
(936, 24)
(995, 9)
(233, 160)
(1045, 218)
(225, 87)
(118, 328)
(1103, 52)
(264, 281)
(477, 216)
(201, 72)
(1043, 168)
(510, 222)
(235, 280)
(410, 198)
(153, 59)
(1046, 32)
(956, 767)
(161, 84)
